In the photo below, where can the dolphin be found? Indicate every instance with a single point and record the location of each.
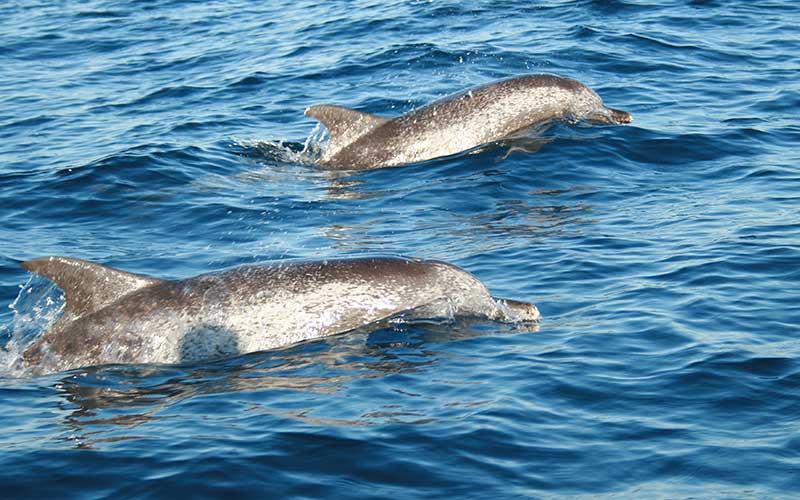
(112, 316)
(460, 122)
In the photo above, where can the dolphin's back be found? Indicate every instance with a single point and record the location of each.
(477, 116)
(279, 304)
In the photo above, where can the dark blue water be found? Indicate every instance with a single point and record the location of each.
(163, 138)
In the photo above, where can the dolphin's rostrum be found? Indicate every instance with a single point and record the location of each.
(457, 123)
(112, 316)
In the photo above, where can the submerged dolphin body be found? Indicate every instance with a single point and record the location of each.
(457, 123)
(112, 316)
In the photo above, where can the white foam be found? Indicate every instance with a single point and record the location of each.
(282, 152)
(37, 306)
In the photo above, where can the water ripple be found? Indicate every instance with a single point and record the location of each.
(168, 138)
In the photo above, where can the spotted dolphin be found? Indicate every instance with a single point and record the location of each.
(457, 123)
(112, 316)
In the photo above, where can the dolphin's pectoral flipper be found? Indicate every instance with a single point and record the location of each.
(87, 286)
(207, 342)
(344, 124)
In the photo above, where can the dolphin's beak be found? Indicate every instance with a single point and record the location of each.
(610, 116)
(521, 311)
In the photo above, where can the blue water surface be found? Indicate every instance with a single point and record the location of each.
(166, 137)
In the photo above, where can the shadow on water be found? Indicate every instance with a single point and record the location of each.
(493, 208)
(278, 153)
(106, 404)
(279, 162)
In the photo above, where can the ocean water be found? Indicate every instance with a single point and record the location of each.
(167, 138)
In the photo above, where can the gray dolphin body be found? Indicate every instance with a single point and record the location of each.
(112, 316)
(457, 123)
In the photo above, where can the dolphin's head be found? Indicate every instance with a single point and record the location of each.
(587, 106)
(518, 311)
(609, 116)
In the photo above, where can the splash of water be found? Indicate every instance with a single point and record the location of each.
(37, 306)
(282, 152)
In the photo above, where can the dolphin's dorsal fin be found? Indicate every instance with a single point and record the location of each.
(344, 124)
(87, 286)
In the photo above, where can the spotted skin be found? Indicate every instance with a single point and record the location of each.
(457, 123)
(244, 309)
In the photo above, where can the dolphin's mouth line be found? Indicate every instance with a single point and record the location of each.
(610, 116)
